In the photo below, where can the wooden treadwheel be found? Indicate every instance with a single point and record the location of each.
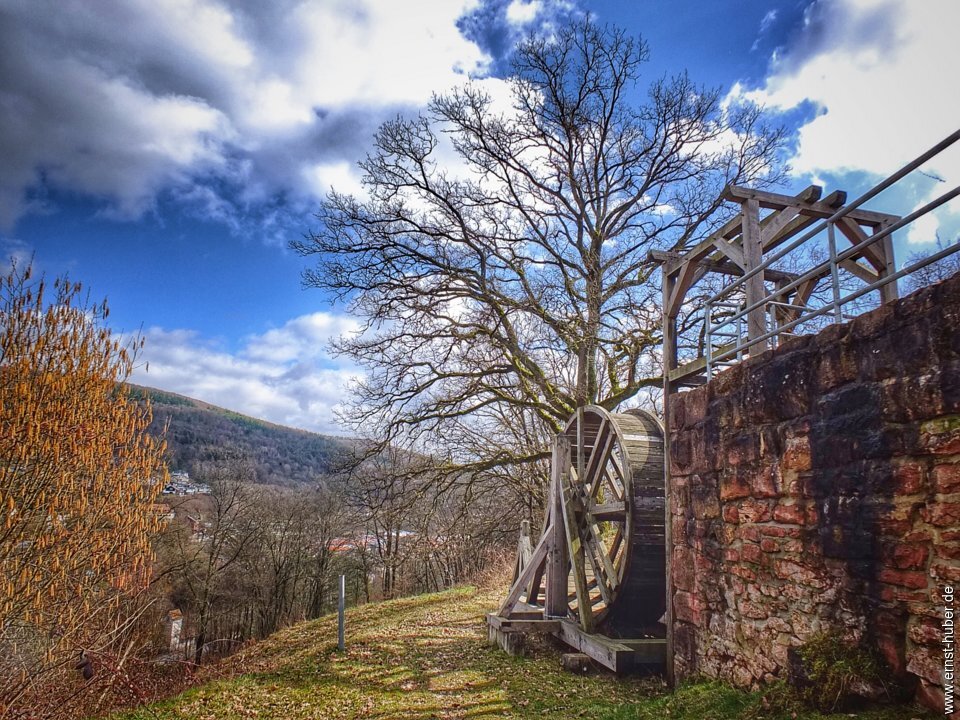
(614, 499)
(600, 562)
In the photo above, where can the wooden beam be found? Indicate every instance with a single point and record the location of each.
(696, 366)
(866, 274)
(888, 292)
(873, 254)
(520, 584)
(608, 511)
(558, 564)
(522, 625)
(724, 266)
(614, 654)
(776, 201)
(685, 277)
(753, 256)
(575, 551)
(609, 572)
(669, 323)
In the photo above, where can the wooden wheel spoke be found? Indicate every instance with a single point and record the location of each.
(596, 545)
(616, 510)
(615, 478)
(602, 448)
(595, 565)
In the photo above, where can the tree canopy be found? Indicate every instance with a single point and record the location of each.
(500, 254)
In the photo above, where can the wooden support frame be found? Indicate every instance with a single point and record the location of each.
(740, 244)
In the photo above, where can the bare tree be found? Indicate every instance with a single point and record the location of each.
(936, 271)
(208, 548)
(507, 289)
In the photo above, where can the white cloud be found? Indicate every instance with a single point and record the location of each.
(521, 12)
(120, 99)
(342, 177)
(878, 73)
(285, 375)
(768, 20)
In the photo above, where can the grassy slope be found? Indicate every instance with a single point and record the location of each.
(426, 657)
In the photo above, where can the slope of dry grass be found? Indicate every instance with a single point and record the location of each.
(426, 657)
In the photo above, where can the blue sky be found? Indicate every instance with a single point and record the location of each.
(163, 152)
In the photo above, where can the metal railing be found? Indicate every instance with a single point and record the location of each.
(724, 318)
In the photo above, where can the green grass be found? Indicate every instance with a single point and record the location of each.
(426, 657)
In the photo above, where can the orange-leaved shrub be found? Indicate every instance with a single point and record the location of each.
(78, 478)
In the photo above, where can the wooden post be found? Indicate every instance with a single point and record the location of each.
(669, 363)
(575, 547)
(889, 292)
(669, 324)
(558, 562)
(341, 610)
(668, 530)
(753, 256)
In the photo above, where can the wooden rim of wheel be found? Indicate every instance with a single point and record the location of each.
(601, 483)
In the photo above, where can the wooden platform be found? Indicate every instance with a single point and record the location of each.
(620, 655)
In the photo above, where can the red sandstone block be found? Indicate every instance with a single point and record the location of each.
(946, 478)
(683, 568)
(743, 572)
(796, 454)
(779, 532)
(732, 486)
(947, 551)
(904, 578)
(942, 514)
(768, 545)
(766, 481)
(925, 631)
(837, 366)
(872, 323)
(751, 553)
(695, 406)
(796, 546)
(908, 478)
(731, 555)
(797, 573)
(893, 527)
(679, 527)
(755, 511)
(892, 649)
(895, 594)
(704, 505)
(686, 607)
(925, 663)
(943, 571)
(750, 532)
(929, 695)
(941, 436)
(910, 557)
(752, 610)
(790, 514)
(918, 536)
(950, 535)
(731, 514)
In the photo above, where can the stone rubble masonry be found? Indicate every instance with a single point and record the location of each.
(817, 487)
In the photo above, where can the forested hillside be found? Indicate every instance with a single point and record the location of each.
(198, 432)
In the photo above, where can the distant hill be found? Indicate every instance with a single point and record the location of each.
(200, 432)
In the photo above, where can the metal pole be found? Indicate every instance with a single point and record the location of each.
(341, 607)
(709, 333)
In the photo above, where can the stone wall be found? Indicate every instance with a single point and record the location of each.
(817, 487)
